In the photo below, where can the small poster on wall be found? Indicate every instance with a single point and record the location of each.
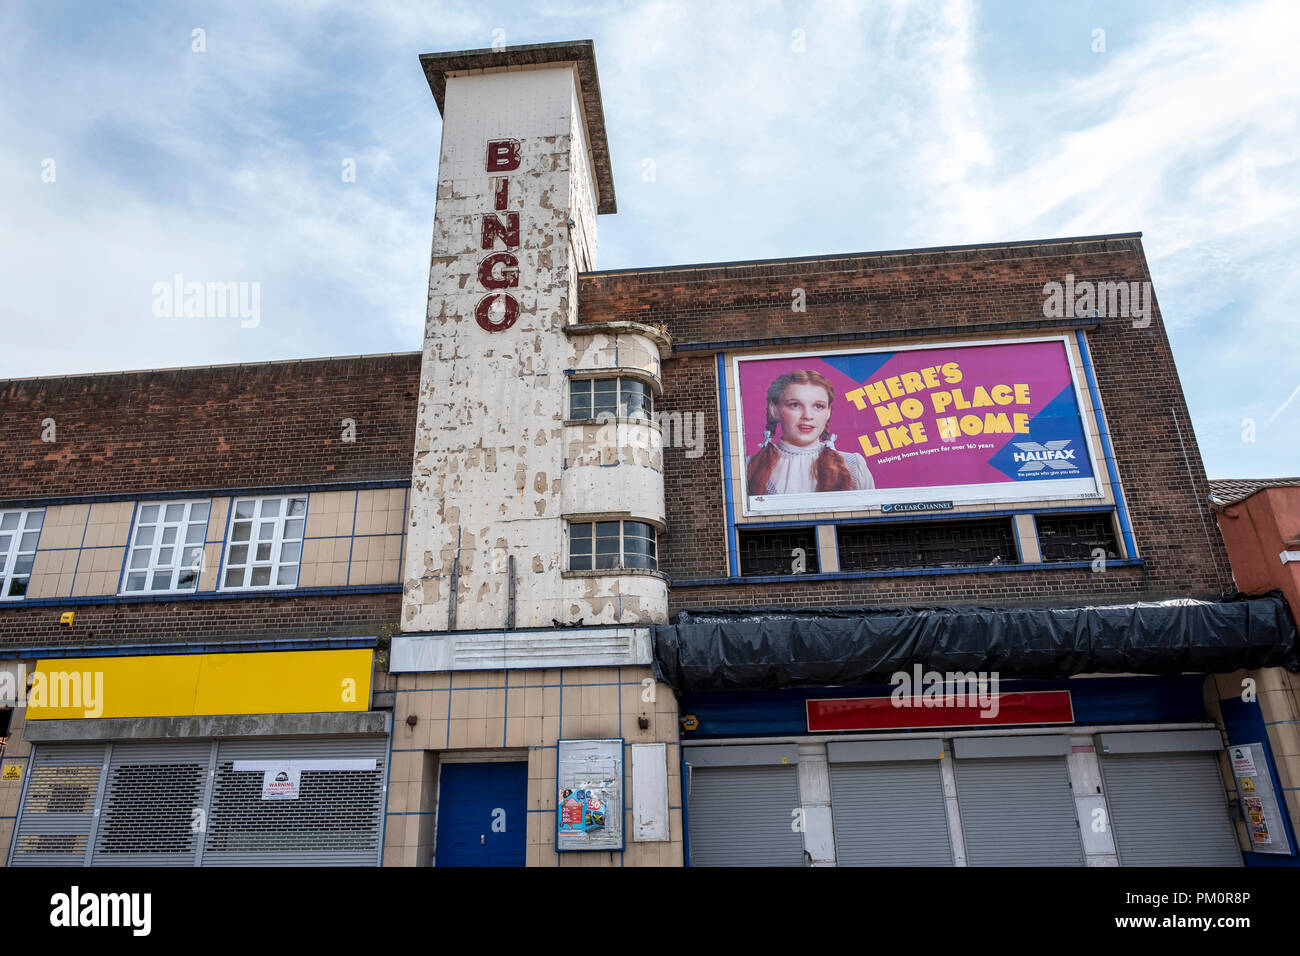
(589, 798)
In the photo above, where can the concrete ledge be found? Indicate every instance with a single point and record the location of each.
(612, 646)
(368, 724)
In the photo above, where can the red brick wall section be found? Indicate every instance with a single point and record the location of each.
(941, 294)
(237, 426)
(345, 615)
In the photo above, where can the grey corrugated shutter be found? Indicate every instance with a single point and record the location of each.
(743, 816)
(336, 821)
(1168, 809)
(152, 807)
(890, 814)
(57, 812)
(1018, 811)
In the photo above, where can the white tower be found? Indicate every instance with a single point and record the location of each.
(508, 473)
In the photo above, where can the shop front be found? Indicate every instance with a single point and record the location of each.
(788, 761)
(203, 759)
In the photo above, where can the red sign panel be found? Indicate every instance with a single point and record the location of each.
(910, 713)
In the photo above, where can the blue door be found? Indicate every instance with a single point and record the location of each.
(482, 815)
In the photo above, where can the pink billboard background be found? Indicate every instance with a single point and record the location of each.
(1041, 366)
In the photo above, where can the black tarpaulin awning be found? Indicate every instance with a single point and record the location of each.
(770, 648)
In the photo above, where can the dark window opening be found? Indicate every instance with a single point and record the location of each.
(1076, 537)
(927, 544)
(778, 551)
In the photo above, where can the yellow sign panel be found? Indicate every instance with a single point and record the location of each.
(184, 685)
(12, 772)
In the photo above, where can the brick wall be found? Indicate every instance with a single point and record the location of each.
(233, 619)
(947, 293)
(222, 427)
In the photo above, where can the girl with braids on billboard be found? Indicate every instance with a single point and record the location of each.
(804, 458)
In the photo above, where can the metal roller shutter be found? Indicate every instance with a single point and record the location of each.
(334, 822)
(57, 812)
(890, 814)
(743, 816)
(1018, 811)
(152, 807)
(1169, 809)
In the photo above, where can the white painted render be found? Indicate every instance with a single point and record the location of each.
(496, 469)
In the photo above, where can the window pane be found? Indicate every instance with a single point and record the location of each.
(605, 529)
(140, 558)
(270, 508)
(9, 521)
(135, 582)
(606, 561)
(646, 561)
(162, 581)
(234, 577)
(261, 577)
(263, 552)
(191, 558)
(266, 531)
(199, 512)
(144, 536)
(187, 579)
(34, 521)
(169, 535)
(293, 529)
(290, 553)
(148, 514)
(244, 509)
(194, 534)
(297, 506)
(17, 587)
(634, 398)
(580, 400)
(238, 554)
(637, 546)
(242, 531)
(580, 562)
(174, 513)
(24, 565)
(580, 531)
(165, 556)
(5, 541)
(29, 541)
(287, 574)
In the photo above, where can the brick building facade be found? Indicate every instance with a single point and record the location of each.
(524, 599)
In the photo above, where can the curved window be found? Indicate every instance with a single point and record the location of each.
(589, 398)
(612, 545)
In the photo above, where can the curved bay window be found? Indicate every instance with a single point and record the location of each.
(589, 398)
(612, 545)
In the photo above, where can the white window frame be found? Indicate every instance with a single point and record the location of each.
(180, 546)
(589, 382)
(277, 543)
(622, 544)
(10, 558)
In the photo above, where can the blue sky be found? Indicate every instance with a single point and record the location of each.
(898, 125)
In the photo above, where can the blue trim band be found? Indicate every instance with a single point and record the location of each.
(208, 647)
(1104, 434)
(902, 572)
(733, 546)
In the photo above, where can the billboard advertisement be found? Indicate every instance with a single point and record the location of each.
(922, 427)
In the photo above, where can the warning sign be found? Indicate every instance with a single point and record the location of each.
(12, 772)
